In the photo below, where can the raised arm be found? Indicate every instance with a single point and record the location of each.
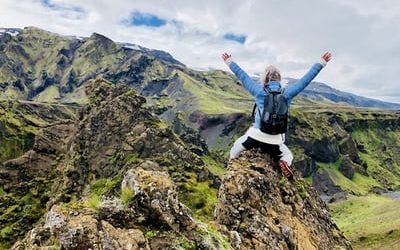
(244, 78)
(294, 89)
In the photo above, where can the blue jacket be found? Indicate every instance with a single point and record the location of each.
(257, 90)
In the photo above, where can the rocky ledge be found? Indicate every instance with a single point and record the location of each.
(119, 178)
(259, 209)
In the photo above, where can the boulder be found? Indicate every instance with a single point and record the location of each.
(324, 184)
(347, 167)
(259, 209)
(324, 150)
(80, 231)
(157, 192)
(306, 166)
(349, 147)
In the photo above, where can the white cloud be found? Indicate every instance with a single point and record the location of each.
(363, 35)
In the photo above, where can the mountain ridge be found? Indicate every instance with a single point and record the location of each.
(70, 80)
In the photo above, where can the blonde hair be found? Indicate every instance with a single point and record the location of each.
(271, 73)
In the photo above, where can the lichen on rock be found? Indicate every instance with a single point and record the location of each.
(259, 209)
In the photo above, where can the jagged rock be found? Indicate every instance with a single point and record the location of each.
(190, 136)
(338, 196)
(347, 167)
(118, 141)
(114, 126)
(324, 150)
(349, 147)
(306, 166)
(37, 162)
(156, 191)
(80, 231)
(267, 211)
(324, 184)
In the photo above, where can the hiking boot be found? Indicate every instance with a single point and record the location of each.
(287, 172)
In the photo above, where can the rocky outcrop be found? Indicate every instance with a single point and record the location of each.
(259, 209)
(155, 190)
(113, 129)
(324, 184)
(121, 179)
(324, 150)
(26, 181)
(347, 167)
(119, 224)
(80, 230)
(306, 166)
(349, 147)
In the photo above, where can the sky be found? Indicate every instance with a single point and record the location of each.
(363, 35)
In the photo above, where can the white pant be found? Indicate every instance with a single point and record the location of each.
(237, 148)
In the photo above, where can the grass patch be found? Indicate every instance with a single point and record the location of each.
(213, 100)
(370, 222)
(93, 202)
(359, 184)
(133, 159)
(127, 195)
(103, 185)
(211, 233)
(212, 165)
(199, 197)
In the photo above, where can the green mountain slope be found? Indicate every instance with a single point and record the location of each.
(339, 149)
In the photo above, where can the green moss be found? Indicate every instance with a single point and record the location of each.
(215, 168)
(151, 234)
(370, 222)
(199, 197)
(7, 232)
(74, 205)
(93, 202)
(185, 243)
(103, 185)
(19, 211)
(210, 232)
(133, 159)
(300, 186)
(127, 195)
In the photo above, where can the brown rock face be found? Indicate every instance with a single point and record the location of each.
(117, 178)
(115, 125)
(80, 231)
(37, 162)
(157, 192)
(259, 209)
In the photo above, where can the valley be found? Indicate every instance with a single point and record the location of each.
(183, 121)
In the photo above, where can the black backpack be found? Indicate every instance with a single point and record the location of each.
(274, 118)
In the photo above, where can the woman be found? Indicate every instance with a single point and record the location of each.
(273, 144)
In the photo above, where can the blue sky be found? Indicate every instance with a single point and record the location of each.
(145, 19)
(363, 35)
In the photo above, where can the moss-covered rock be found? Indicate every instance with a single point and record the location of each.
(259, 209)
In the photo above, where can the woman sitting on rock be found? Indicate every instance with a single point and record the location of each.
(272, 102)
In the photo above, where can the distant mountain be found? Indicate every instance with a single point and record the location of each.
(159, 54)
(321, 92)
(10, 31)
(41, 66)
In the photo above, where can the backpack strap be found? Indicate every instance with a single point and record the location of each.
(254, 110)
